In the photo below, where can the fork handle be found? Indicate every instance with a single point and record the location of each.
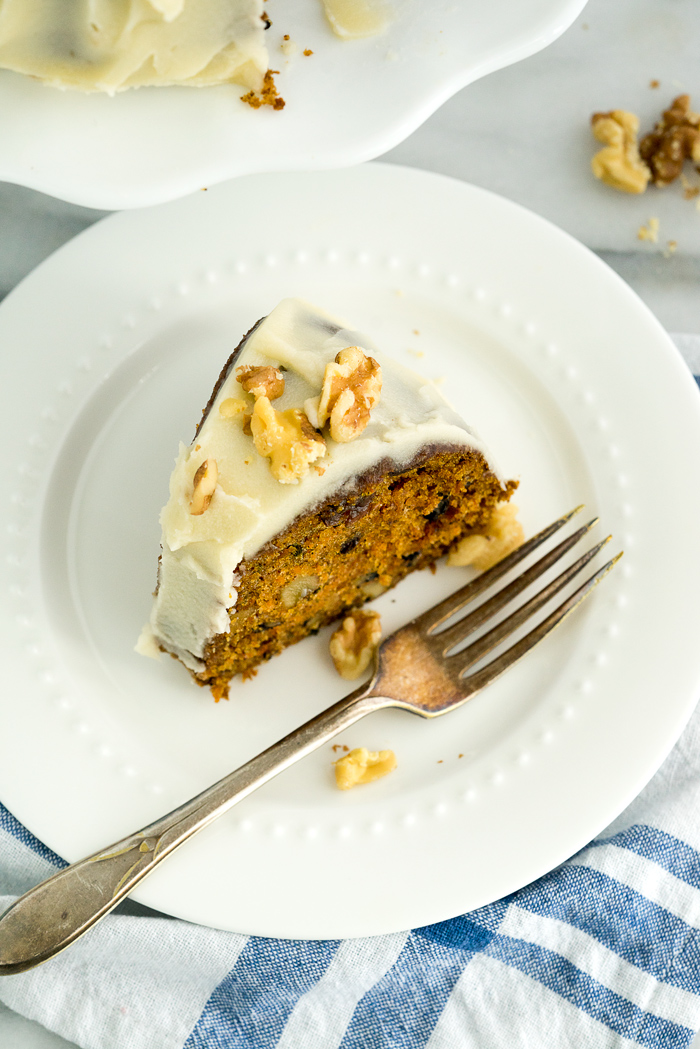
(57, 911)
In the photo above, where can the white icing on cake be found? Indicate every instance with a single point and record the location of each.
(200, 554)
(110, 45)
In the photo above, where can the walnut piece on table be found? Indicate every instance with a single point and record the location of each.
(619, 164)
(354, 643)
(675, 139)
(362, 766)
(482, 550)
(352, 386)
(287, 439)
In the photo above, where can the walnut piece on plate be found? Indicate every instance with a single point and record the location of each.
(484, 549)
(354, 643)
(362, 766)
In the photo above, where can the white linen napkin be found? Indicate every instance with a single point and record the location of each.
(602, 953)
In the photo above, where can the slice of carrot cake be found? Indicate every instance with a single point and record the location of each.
(320, 475)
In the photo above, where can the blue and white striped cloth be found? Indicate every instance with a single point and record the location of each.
(602, 953)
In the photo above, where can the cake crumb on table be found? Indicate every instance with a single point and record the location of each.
(649, 232)
(690, 189)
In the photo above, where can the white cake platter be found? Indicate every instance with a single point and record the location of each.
(347, 102)
(110, 350)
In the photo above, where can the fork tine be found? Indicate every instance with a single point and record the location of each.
(461, 630)
(475, 682)
(476, 651)
(434, 617)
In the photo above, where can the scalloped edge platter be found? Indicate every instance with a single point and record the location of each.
(347, 102)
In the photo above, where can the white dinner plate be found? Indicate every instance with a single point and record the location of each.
(347, 102)
(110, 350)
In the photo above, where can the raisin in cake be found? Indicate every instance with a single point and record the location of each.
(320, 475)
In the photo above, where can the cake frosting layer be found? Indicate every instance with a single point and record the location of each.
(110, 45)
(249, 507)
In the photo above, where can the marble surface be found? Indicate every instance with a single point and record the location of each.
(524, 133)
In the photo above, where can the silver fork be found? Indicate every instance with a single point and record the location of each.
(419, 668)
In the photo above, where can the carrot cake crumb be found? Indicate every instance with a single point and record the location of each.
(268, 96)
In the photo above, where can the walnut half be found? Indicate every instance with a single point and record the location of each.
(352, 386)
(287, 439)
(353, 645)
(619, 164)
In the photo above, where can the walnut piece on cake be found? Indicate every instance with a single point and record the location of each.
(352, 386)
(619, 164)
(354, 643)
(485, 549)
(675, 139)
(287, 439)
(363, 766)
(233, 408)
(204, 486)
(261, 381)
